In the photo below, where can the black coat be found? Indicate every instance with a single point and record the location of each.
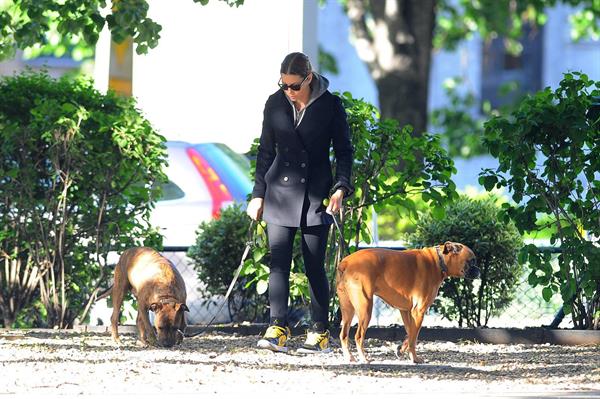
(293, 170)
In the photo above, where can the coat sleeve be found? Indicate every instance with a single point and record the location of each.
(264, 158)
(342, 148)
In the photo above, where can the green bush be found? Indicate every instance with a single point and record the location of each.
(79, 173)
(494, 242)
(548, 152)
(216, 255)
(218, 248)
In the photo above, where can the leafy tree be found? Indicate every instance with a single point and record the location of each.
(25, 23)
(378, 145)
(549, 158)
(396, 38)
(79, 174)
(461, 131)
(494, 242)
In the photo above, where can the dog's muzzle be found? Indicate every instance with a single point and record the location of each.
(472, 271)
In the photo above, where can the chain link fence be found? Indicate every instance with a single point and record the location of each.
(528, 309)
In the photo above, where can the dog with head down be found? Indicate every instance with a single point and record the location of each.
(157, 287)
(406, 280)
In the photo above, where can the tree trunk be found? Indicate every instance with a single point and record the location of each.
(394, 38)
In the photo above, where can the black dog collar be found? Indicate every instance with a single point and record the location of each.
(442, 262)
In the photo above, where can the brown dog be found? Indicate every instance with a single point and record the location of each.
(407, 280)
(157, 286)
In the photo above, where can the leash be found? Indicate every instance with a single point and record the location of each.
(341, 233)
(249, 244)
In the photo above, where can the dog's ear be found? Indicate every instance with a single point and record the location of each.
(456, 248)
(447, 247)
(155, 307)
(450, 246)
(182, 306)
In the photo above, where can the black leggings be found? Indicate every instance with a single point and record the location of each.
(314, 245)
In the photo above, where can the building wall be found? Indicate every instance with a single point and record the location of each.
(559, 54)
(215, 66)
(562, 55)
(55, 67)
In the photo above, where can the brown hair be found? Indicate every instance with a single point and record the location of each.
(296, 64)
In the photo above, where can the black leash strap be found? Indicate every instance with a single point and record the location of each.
(249, 244)
(341, 232)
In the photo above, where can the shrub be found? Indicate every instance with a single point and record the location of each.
(216, 255)
(78, 174)
(549, 158)
(494, 242)
(218, 248)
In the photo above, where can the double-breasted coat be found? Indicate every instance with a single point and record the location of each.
(293, 167)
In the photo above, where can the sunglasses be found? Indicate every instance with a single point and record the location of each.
(294, 87)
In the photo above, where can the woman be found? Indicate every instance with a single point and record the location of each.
(293, 178)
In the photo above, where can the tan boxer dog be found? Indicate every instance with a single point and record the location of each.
(157, 286)
(407, 280)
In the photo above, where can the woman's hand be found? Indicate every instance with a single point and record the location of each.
(335, 202)
(255, 208)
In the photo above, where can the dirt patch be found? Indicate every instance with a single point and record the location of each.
(71, 363)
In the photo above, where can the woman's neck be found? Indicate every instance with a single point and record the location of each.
(302, 101)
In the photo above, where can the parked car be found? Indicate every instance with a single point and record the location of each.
(203, 179)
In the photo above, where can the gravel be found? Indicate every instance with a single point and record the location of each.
(56, 363)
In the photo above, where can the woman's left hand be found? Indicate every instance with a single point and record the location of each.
(335, 202)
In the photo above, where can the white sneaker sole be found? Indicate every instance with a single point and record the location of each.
(313, 351)
(264, 344)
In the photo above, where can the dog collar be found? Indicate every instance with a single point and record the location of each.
(442, 262)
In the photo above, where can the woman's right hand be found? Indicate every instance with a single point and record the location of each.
(255, 208)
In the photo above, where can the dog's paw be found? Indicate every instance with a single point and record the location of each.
(416, 359)
(404, 346)
(350, 359)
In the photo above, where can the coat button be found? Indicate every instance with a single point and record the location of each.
(285, 178)
(286, 163)
(303, 180)
(303, 165)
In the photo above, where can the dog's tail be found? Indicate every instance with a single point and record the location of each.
(104, 293)
(339, 275)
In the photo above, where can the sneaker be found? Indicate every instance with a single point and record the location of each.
(275, 339)
(316, 343)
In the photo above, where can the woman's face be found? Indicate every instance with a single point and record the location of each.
(295, 86)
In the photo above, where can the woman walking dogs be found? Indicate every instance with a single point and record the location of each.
(293, 178)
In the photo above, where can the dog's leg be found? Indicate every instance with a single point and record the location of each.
(141, 341)
(119, 289)
(347, 314)
(145, 329)
(407, 321)
(416, 316)
(365, 307)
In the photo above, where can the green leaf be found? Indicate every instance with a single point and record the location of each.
(438, 213)
(547, 294)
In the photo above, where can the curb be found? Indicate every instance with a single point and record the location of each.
(533, 335)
